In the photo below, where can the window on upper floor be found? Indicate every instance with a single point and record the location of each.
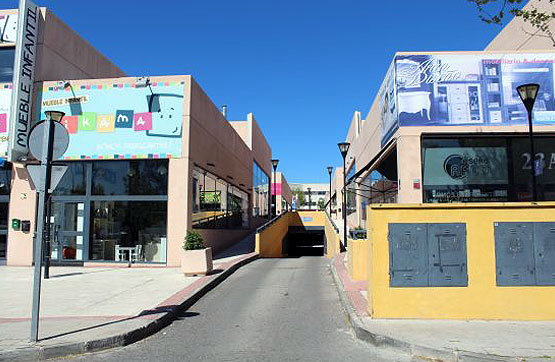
(7, 55)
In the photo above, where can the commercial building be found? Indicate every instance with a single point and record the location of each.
(149, 158)
(310, 196)
(60, 54)
(282, 192)
(440, 175)
(450, 127)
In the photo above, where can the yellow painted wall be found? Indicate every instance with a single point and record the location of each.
(332, 239)
(357, 259)
(302, 218)
(482, 299)
(269, 242)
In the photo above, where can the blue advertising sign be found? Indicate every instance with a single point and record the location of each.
(388, 109)
(119, 121)
(469, 89)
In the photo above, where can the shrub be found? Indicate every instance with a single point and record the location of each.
(193, 241)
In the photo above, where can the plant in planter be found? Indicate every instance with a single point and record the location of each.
(358, 233)
(196, 258)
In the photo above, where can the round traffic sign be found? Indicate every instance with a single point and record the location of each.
(60, 140)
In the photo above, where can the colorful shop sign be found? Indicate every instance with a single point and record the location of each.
(5, 105)
(121, 120)
(466, 89)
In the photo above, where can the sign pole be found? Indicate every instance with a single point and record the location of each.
(47, 241)
(43, 187)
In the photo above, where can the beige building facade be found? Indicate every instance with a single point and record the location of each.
(282, 192)
(150, 158)
(450, 127)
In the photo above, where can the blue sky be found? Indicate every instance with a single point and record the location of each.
(302, 67)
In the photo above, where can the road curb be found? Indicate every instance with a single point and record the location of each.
(129, 337)
(418, 353)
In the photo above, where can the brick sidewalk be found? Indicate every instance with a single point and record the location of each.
(126, 305)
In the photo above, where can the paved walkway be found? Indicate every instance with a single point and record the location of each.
(80, 305)
(448, 340)
(270, 310)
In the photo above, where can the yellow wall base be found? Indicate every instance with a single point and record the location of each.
(482, 299)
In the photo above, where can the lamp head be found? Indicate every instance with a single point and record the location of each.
(344, 148)
(275, 163)
(528, 94)
(330, 169)
(54, 115)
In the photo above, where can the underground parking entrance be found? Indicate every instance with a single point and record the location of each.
(305, 241)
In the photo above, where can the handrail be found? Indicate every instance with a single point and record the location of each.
(262, 227)
(332, 223)
(213, 217)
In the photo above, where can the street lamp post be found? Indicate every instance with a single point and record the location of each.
(330, 170)
(344, 148)
(274, 165)
(528, 93)
(309, 198)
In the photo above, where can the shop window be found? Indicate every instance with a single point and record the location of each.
(138, 177)
(261, 197)
(5, 178)
(74, 180)
(4, 207)
(128, 231)
(217, 204)
(351, 198)
(7, 56)
(486, 169)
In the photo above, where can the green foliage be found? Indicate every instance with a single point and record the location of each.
(193, 241)
(300, 196)
(496, 11)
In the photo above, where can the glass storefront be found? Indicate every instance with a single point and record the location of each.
(487, 169)
(261, 197)
(5, 182)
(128, 230)
(111, 211)
(217, 203)
(351, 191)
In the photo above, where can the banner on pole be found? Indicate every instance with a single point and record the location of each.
(24, 76)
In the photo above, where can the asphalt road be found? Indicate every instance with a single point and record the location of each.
(269, 310)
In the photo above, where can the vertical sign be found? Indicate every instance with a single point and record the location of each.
(24, 75)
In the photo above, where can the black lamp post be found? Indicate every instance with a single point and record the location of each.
(528, 94)
(344, 148)
(309, 198)
(274, 165)
(330, 170)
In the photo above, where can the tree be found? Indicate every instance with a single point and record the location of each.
(299, 193)
(495, 12)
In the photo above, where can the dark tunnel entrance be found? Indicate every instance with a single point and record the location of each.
(305, 241)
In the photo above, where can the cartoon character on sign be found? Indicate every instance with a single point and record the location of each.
(166, 114)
